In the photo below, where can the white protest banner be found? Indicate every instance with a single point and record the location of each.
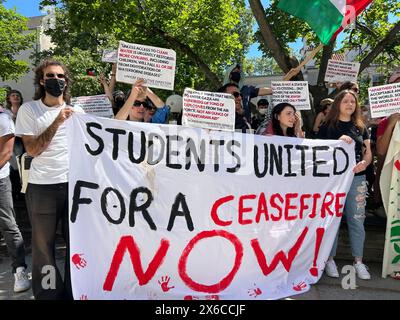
(390, 188)
(155, 65)
(110, 55)
(99, 105)
(293, 92)
(384, 100)
(208, 110)
(170, 212)
(341, 71)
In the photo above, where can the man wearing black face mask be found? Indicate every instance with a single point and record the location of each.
(41, 124)
(248, 92)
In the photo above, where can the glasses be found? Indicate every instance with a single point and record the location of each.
(237, 94)
(138, 103)
(53, 75)
(356, 90)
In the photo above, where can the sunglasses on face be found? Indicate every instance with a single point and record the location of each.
(237, 94)
(138, 103)
(53, 75)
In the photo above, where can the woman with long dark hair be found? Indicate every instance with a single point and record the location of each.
(285, 121)
(344, 122)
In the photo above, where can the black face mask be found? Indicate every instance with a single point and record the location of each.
(235, 76)
(54, 87)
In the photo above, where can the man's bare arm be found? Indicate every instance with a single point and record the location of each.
(6, 148)
(36, 145)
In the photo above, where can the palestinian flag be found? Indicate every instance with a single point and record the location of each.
(326, 17)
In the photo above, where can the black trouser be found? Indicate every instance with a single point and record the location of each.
(9, 227)
(46, 205)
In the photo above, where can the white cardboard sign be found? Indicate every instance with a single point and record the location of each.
(293, 92)
(98, 105)
(155, 65)
(110, 55)
(341, 71)
(208, 110)
(384, 100)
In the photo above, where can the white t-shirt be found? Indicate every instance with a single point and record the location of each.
(6, 128)
(51, 166)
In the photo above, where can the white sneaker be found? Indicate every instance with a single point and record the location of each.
(22, 282)
(362, 271)
(331, 269)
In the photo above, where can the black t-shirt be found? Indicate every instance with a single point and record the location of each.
(349, 129)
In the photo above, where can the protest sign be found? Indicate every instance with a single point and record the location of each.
(98, 105)
(341, 71)
(110, 55)
(208, 110)
(384, 100)
(390, 188)
(170, 212)
(155, 65)
(293, 92)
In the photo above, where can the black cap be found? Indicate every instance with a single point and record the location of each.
(262, 102)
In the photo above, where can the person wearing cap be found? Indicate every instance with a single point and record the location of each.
(320, 118)
(234, 75)
(263, 112)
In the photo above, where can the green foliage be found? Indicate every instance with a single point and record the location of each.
(3, 94)
(14, 38)
(372, 26)
(77, 62)
(212, 33)
(261, 66)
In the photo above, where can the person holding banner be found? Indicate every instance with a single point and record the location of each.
(344, 122)
(41, 124)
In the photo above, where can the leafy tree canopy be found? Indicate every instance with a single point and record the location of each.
(14, 38)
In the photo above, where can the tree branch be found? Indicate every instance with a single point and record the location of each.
(269, 38)
(390, 38)
(175, 43)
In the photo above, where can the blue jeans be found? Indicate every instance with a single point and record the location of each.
(9, 227)
(354, 211)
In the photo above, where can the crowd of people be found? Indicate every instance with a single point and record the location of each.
(40, 132)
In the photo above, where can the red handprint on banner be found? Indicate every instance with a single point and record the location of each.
(397, 164)
(78, 260)
(300, 286)
(164, 284)
(254, 292)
